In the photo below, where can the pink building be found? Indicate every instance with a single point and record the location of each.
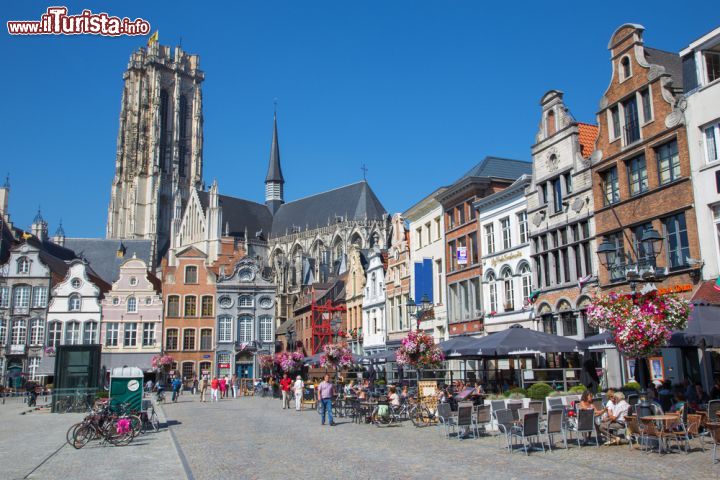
(131, 332)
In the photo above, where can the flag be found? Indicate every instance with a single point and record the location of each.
(26, 235)
(153, 38)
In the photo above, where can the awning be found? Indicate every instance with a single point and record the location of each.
(517, 340)
(703, 328)
(143, 361)
(601, 341)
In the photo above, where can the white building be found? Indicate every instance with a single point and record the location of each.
(75, 312)
(374, 324)
(701, 78)
(427, 261)
(505, 244)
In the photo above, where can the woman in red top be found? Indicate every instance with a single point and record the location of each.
(223, 387)
(214, 386)
(285, 383)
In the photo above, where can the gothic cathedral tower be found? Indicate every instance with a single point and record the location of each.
(159, 146)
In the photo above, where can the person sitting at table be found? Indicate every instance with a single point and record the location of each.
(586, 403)
(702, 397)
(615, 419)
(478, 389)
(678, 402)
(404, 392)
(442, 394)
(350, 389)
(610, 403)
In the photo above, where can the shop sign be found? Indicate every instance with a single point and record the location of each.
(675, 289)
(206, 356)
(462, 255)
(17, 349)
(224, 365)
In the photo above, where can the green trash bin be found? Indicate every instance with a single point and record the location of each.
(126, 386)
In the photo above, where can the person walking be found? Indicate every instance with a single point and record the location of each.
(326, 392)
(203, 387)
(214, 387)
(234, 383)
(223, 387)
(285, 384)
(298, 389)
(176, 385)
(195, 386)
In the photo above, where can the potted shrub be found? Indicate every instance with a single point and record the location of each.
(538, 391)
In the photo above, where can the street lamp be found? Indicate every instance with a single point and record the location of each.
(335, 324)
(419, 310)
(650, 244)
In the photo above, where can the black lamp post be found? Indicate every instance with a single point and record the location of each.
(419, 310)
(650, 245)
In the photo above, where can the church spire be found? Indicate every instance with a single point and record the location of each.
(274, 180)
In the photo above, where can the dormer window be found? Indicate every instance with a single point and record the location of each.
(74, 302)
(132, 305)
(625, 68)
(550, 126)
(191, 274)
(23, 265)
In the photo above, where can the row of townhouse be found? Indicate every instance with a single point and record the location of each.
(515, 242)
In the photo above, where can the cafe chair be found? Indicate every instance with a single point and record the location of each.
(529, 429)
(504, 419)
(555, 427)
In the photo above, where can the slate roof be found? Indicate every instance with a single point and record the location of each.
(241, 214)
(352, 202)
(496, 167)
(588, 134)
(101, 254)
(671, 62)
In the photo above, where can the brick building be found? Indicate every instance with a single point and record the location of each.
(189, 289)
(397, 283)
(641, 167)
(464, 270)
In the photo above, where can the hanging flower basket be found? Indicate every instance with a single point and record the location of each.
(288, 361)
(162, 362)
(336, 355)
(266, 361)
(640, 324)
(418, 350)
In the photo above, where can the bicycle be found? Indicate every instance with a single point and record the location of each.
(385, 416)
(150, 420)
(420, 415)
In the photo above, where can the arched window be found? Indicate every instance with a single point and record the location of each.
(171, 339)
(183, 135)
(19, 332)
(74, 303)
(132, 305)
(21, 298)
(206, 339)
(526, 276)
(492, 289)
(224, 328)
(568, 318)
(191, 274)
(550, 126)
(190, 306)
(509, 290)
(54, 334)
(72, 333)
(173, 306)
(266, 333)
(245, 329)
(90, 333)
(164, 141)
(188, 370)
(23, 265)
(625, 68)
(37, 331)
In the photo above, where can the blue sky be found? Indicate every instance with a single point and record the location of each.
(418, 91)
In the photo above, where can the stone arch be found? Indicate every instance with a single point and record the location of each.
(563, 305)
(357, 240)
(506, 268)
(583, 302)
(544, 308)
(490, 275)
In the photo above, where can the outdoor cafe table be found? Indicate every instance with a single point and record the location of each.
(662, 421)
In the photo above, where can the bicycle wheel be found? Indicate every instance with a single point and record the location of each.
(82, 435)
(136, 424)
(113, 437)
(71, 433)
(155, 421)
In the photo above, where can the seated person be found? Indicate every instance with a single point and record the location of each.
(615, 419)
(350, 388)
(678, 402)
(404, 392)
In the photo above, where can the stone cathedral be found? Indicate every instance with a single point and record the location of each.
(158, 192)
(159, 145)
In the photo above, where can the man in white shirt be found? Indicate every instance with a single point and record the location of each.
(615, 421)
